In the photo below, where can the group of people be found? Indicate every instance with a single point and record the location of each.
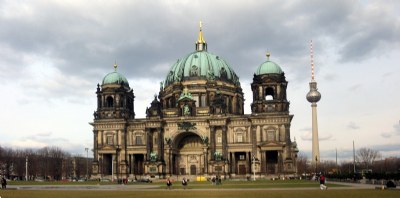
(184, 183)
(216, 180)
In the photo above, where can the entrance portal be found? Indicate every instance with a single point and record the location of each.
(189, 154)
(107, 164)
(272, 161)
(242, 169)
(193, 169)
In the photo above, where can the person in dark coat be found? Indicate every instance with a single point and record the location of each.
(169, 183)
(3, 183)
(322, 182)
(184, 183)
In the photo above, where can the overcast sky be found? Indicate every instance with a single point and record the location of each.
(53, 54)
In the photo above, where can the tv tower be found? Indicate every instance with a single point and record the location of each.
(313, 97)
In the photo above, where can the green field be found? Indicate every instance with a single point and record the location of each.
(231, 189)
(201, 193)
(198, 185)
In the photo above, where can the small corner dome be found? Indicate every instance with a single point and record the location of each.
(115, 78)
(269, 67)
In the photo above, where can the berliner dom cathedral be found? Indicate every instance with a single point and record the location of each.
(196, 125)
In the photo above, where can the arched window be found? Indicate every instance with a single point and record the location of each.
(269, 93)
(239, 137)
(110, 101)
(271, 135)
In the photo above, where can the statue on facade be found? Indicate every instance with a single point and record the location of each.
(95, 115)
(205, 140)
(186, 110)
(153, 156)
(168, 140)
(218, 155)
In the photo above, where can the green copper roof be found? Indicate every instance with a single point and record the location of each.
(115, 78)
(269, 67)
(203, 65)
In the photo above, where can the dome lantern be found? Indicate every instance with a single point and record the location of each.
(201, 44)
(268, 67)
(115, 78)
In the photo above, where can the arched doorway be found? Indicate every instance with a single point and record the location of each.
(189, 156)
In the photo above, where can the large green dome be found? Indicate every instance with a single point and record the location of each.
(201, 65)
(115, 78)
(268, 67)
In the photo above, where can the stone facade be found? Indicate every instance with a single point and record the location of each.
(195, 126)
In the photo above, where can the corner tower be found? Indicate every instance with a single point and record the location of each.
(115, 107)
(114, 97)
(313, 97)
(269, 89)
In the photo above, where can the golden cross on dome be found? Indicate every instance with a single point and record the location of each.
(115, 66)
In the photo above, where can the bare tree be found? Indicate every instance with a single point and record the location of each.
(302, 166)
(366, 157)
(331, 167)
(6, 162)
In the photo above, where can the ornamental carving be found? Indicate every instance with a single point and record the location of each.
(187, 126)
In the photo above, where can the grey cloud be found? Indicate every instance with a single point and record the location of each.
(395, 132)
(84, 40)
(397, 128)
(386, 147)
(386, 135)
(355, 87)
(306, 129)
(330, 77)
(328, 137)
(347, 154)
(353, 125)
(306, 137)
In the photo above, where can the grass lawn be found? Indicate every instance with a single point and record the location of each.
(251, 184)
(201, 193)
(229, 189)
(226, 184)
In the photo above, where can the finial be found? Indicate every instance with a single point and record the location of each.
(115, 66)
(201, 39)
(312, 60)
(268, 55)
(201, 44)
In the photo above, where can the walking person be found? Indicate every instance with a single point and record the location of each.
(322, 182)
(184, 183)
(169, 183)
(3, 183)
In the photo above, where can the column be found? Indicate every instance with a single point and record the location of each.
(149, 140)
(254, 139)
(263, 162)
(234, 169)
(206, 160)
(230, 162)
(280, 161)
(212, 142)
(133, 164)
(95, 146)
(248, 160)
(160, 145)
(224, 143)
(169, 160)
